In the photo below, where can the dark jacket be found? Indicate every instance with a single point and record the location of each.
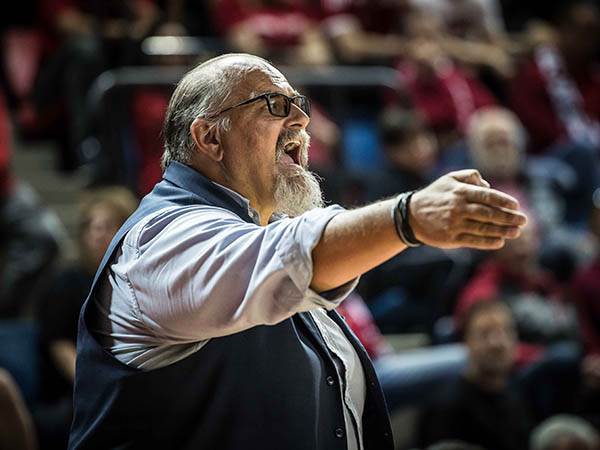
(263, 388)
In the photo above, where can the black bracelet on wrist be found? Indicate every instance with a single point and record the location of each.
(401, 220)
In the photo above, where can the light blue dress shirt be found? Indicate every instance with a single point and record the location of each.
(185, 275)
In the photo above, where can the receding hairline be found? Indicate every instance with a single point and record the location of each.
(244, 61)
(493, 115)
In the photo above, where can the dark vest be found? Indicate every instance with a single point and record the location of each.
(269, 387)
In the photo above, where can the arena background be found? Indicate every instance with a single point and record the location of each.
(402, 91)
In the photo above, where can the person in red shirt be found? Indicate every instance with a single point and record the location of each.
(537, 300)
(282, 30)
(556, 93)
(445, 94)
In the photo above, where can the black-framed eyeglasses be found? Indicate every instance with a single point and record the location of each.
(279, 105)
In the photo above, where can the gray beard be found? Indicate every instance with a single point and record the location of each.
(296, 191)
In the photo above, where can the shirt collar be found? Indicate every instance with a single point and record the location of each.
(245, 203)
(240, 200)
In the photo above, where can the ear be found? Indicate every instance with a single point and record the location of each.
(207, 139)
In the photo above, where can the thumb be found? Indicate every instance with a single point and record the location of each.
(470, 176)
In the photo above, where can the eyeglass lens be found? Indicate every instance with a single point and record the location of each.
(279, 105)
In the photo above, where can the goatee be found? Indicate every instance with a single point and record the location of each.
(297, 190)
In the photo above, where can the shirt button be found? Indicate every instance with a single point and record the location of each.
(330, 380)
(339, 433)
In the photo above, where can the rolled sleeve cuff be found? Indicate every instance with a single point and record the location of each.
(296, 256)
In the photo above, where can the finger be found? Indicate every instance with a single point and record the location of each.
(483, 213)
(490, 197)
(469, 176)
(480, 242)
(491, 230)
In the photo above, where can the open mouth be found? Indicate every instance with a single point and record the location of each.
(292, 150)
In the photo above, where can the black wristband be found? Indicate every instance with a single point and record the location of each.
(401, 220)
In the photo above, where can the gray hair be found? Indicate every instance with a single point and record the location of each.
(203, 92)
(562, 426)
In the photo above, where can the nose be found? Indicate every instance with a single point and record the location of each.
(297, 118)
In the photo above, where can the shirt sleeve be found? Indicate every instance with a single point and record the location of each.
(206, 273)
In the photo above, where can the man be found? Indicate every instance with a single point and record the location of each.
(556, 94)
(481, 408)
(209, 324)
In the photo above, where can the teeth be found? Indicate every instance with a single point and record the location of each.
(291, 146)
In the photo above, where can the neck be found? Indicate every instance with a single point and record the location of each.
(491, 382)
(221, 176)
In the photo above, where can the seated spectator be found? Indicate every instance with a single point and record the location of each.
(29, 240)
(410, 151)
(445, 95)
(475, 19)
(537, 301)
(482, 408)
(472, 32)
(548, 351)
(564, 432)
(16, 425)
(556, 93)
(102, 213)
(496, 144)
(365, 32)
(286, 31)
(585, 289)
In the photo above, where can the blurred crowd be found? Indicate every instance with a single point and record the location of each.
(510, 358)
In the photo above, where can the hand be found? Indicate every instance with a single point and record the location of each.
(460, 210)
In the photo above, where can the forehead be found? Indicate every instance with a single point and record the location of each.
(265, 79)
(491, 318)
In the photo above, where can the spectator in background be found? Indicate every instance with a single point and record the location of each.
(556, 93)
(496, 145)
(537, 301)
(476, 19)
(365, 32)
(285, 31)
(29, 240)
(83, 38)
(557, 96)
(586, 290)
(102, 213)
(548, 351)
(410, 150)
(471, 32)
(483, 408)
(16, 425)
(564, 432)
(443, 92)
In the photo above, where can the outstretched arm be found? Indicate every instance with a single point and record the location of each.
(457, 210)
